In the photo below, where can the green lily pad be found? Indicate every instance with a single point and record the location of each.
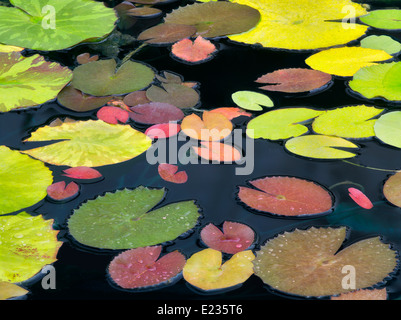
(389, 19)
(103, 78)
(281, 123)
(320, 147)
(52, 24)
(23, 180)
(347, 122)
(123, 220)
(176, 94)
(30, 81)
(385, 43)
(250, 100)
(88, 143)
(387, 128)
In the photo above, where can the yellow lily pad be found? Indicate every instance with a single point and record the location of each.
(10, 290)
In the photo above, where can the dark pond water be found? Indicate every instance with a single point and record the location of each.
(81, 272)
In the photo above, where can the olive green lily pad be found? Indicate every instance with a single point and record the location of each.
(103, 78)
(123, 220)
(54, 25)
(89, 143)
(175, 94)
(23, 180)
(387, 128)
(389, 19)
(26, 82)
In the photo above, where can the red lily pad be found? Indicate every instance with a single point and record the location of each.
(140, 268)
(360, 198)
(234, 238)
(200, 50)
(163, 130)
(286, 196)
(59, 191)
(155, 113)
(294, 80)
(84, 173)
(168, 172)
(113, 115)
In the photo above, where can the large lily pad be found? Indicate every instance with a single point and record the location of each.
(27, 244)
(54, 25)
(30, 81)
(23, 180)
(309, 263)
(122, 220)
(88, 143)
(389, 19)
(387, 128)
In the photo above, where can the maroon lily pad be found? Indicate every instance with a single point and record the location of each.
(168, 172)
(141, 268)
(294, 80)
(84, 173)
(234, 238)
(286, 196)
(59, 191)
(163, 130)
(113, 115)
(155, 112)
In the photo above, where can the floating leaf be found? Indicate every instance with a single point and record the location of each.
(286, 196)
(75, 100)
(347, 122)
(389, 19)
(231, 112)
(163, 130)
(113, 115)
(82, 173)
(144, 12)
(363, 294)
(385, 43)
(135, 98)
(141, 268)
(168, 172)
(10, 290)
(216, 151)
(235, 237)
(103, 78)
(29, 81)
(173, 93)
(281, 123)
(27, 244)
(7, 49)
(212, 126)
(59, 191)
(346, 61)
(23, 180)
(303, 24)
(86, 57)
(54, 25)
(200, 50)
(378, 81)
(309, 263)
(387, 128)
(321, 147)
(155, 113)
(360, 198)
(88, 143)
(250, 100)
(122, 220)
(392, 189)
(166, 33)
(294, 80)
(215, 19)
(205, 270)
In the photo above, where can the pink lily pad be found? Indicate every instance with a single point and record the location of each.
(141, 268)
(360, 198)
(163, 130)
(200, 50)
(85, 173)
(59, 191)
(234, 238)
(155, 113)
(113, 115)
(168, 172)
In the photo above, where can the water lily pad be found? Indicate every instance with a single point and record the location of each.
(286, 196)
(363, 294)
(231, 112)
(54, 25)
(281, 123)
(113, 115)
(347, 122)
(169, 172)
(218, 152)
(310, 263)
(166, 33)
(88, 143)
(27, 244)
(103, 78)
(82, 173)
(294, 80)
(10, 290)
(215, 19)
(346, 61)
(205, 270)
(7, 49)
(385, 43)
(23, 180)
(60, 191)
(250, 100)
(389, 19)
(388, 130)
(360, 198)
(197, 51)
(163, 130)
(321, 147)
(155, 113)
(235, 237)
(76, 100)
(123, 220)
(135, 98)
(392, 189)
(140, 268)
(29, 81)
(303, 24)
(176, 94)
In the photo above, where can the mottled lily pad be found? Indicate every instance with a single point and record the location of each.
(76, 100)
